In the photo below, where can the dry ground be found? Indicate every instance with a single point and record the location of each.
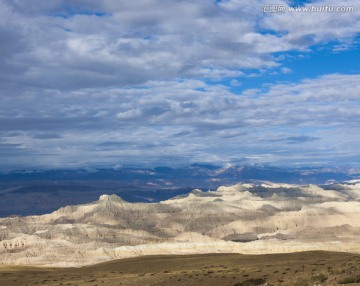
(298, 269)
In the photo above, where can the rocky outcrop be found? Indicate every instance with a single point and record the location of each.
(230, 219)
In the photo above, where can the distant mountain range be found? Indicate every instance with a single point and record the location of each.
(43, 191)
(201, 173)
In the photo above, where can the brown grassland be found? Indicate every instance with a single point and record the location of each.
(298, 269)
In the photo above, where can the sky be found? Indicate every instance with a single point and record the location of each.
(173, 82)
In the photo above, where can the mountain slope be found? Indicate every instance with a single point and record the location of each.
(243, 218)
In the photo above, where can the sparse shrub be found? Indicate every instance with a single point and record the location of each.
(302, 282)
(350, 279)
(252, 282)
(320, 278)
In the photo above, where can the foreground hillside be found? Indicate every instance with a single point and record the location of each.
(248, 219)
(296, 269)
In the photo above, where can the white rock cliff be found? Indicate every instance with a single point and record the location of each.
(231, 219)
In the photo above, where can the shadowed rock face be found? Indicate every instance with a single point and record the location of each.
(230, 219)
(241, 237)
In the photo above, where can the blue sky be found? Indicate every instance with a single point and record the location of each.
(149, 83)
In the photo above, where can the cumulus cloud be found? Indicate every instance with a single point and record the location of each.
(129, 114)
(180, 120)
(304, 29)
(77, 44)
(93, 82)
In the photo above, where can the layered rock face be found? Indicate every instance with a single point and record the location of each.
(244, 218)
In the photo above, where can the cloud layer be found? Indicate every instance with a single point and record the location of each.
(158, 82)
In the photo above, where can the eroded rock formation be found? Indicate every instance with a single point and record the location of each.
(244, 218)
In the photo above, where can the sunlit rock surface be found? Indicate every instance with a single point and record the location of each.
(244, 218)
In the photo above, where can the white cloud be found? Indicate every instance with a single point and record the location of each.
(178, 120)
(286, 70)
(304, 29)
(129, 114)
(76, 74)
(59, 45)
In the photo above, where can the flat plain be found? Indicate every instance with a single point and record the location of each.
(298, 269)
